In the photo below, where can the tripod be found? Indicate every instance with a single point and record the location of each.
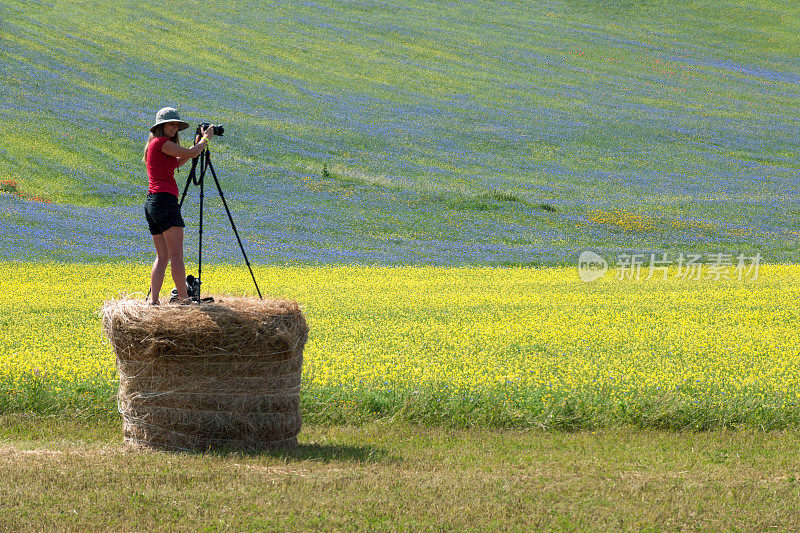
(204, 160)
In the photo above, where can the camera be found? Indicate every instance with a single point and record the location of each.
(218, 130)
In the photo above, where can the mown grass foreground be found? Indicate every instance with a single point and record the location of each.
(456, 347)
(69, 475)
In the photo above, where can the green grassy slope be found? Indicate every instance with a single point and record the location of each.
(683, 113)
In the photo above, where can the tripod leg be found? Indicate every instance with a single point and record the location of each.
(235, 232)
(203, 159)
(204, 164)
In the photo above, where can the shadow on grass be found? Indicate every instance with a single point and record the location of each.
(323, 453)
(334, 452)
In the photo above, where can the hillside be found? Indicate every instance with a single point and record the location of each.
(423, 132)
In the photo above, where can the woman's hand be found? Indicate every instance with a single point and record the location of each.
(208, 133)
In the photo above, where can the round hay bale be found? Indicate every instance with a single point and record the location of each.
(222, 375)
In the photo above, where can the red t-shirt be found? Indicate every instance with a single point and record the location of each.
(160, 168)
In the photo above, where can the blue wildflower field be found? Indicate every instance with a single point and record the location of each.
(445, 133)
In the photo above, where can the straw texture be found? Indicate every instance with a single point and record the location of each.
(222, 375)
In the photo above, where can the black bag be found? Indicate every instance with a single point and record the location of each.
(192, 289)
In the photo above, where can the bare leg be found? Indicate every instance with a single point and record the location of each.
(174, 241)
(159, 267)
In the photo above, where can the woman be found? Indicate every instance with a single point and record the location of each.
(163, 154)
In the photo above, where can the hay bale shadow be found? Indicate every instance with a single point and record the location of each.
(324, 453)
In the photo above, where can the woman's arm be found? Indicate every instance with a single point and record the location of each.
(182, 160)
(185, 154)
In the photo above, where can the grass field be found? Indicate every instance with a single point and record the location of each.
(416, 133)
(70, 475)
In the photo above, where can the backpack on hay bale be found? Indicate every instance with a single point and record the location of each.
(206, 377)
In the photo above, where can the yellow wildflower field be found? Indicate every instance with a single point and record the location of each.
(510, 346)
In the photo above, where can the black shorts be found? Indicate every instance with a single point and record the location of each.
(162, 212)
